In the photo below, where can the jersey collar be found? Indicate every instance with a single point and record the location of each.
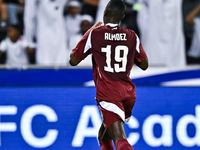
(112, 24)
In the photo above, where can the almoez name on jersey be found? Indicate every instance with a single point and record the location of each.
(115, 37)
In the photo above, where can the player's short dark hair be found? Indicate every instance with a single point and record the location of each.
(116, 7)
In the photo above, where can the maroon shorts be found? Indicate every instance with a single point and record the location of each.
(112, 111)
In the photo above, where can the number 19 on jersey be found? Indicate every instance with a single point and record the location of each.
(118, 58)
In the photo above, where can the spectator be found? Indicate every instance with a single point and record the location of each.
(9, 10)
(160, 25)
(3, 26)
(44, 20)
(90, 7)
(3, 19)
(14, 46)
(3, 10)
(73, 18)
(188, 6)
(13, 7)
(86, 24)
(193, 18)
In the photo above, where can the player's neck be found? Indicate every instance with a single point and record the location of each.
(111, 20)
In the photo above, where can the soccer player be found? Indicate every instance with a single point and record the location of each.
(114, 51)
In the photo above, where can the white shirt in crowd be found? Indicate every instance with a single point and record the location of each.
(15, 52)
(72, 24)
(161, 27)
(100, 9)
(194, 50)
(87, 62)
(44, 19)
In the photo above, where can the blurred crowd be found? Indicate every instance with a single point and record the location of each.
(43, 32)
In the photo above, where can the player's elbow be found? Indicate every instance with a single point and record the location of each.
(144, 68)
(144, 64)
(72, 63)
(73, 60)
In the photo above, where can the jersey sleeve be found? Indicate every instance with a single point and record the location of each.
(140, 54)
(82, 49)
(3, 45)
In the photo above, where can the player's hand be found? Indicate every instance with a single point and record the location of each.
(96, 25)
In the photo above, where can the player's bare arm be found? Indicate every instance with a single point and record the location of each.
(143, 65)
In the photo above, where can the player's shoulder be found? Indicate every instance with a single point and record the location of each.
(130, 33)
(100, 28)
(106, 27)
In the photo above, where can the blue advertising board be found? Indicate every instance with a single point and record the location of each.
(153, 76)
(64, 117)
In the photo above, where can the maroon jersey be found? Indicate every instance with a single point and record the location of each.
(113, 49)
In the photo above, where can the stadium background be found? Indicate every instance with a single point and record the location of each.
(55, 109)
